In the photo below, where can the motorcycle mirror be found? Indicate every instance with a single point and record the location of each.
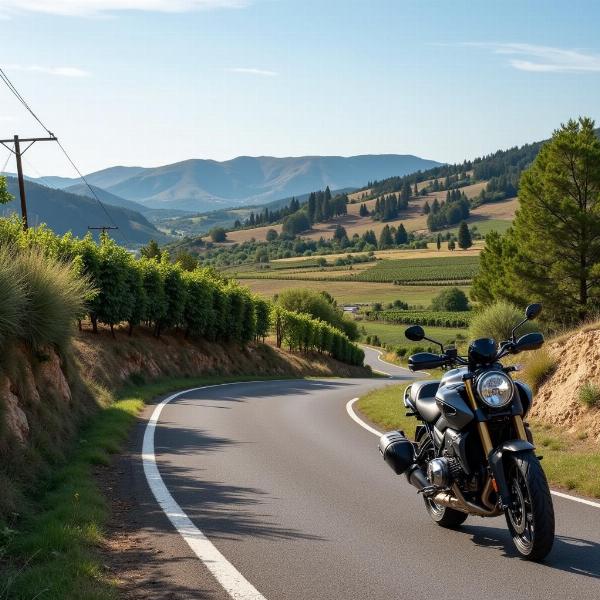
(415, 333)
(532, 311)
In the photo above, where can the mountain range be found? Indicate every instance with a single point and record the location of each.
(65, 211)
(200, 185)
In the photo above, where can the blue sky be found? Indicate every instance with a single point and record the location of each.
(149, 82)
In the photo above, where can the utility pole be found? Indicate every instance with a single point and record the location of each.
(103, 228)
(16, 150)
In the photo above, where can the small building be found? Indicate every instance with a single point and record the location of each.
(351, 309)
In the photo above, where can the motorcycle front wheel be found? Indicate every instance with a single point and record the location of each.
(530, 517)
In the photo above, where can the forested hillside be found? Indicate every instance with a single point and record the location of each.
(63, 211)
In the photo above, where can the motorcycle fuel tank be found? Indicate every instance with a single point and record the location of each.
(451, 402)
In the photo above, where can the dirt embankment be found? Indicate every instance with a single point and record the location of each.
(577, 358)
(44, 396)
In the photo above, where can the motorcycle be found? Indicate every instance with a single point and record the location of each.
(472, 453)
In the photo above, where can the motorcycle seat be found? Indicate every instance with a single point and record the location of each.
(422, 399)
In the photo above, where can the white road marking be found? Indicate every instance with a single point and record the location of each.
(350, 410)
(385, 362)
(232, 581)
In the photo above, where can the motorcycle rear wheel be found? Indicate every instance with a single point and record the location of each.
(445, 516)
(530, 518)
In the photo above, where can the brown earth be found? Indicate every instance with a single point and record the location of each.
(577, 359)
(412, 218)
(45, 395)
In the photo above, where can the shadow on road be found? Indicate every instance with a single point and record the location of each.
(573, 555)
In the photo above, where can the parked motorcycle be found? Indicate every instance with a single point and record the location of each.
(472, 452)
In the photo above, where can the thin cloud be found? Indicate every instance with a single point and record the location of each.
(57, 71)
(87, 8)
(259, 72)
(545, 59)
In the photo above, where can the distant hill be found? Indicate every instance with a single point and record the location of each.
(63, 211)
(80, 189)
(202, 185)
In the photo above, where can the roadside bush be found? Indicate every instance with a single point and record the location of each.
(589, 394)
(54, 299)
(452, 299)
(538, 366)
(12, 297)
(497, 320)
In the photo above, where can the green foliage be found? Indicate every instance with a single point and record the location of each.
(47, 281)
(151, 250)
(539, 365)
(5, 197)
(406, 271)
(218, 234)
(432, 318)
(54, 297)
(175, 294)
(301, 332)
(12, 297)
(497, 320)
(464, 236)
(296, 223)
(318, 305)
(552, 252)
(452, 299)
(589, 394)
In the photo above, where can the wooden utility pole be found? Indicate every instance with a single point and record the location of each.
(16, 150)
(103, 228)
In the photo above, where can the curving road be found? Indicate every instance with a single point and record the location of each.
(293, 495)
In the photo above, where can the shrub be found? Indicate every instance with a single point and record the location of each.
(497, 320)
(589, 394)
(452, 299)
(538, 367)
(55, 297)
(12, 297)
(218, 234)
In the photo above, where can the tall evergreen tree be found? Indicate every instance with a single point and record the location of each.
(552, 252)
(401, 236)
(464, 236)
(438, 242)
(385, 238)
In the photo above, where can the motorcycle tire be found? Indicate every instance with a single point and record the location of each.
(530, 518)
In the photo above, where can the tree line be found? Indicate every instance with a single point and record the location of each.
(152, 291)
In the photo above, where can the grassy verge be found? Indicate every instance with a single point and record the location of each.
(54, 553)
(570, 462)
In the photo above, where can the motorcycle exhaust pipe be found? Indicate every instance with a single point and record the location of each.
(399, 453)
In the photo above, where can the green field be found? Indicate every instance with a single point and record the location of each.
(394, 334)
(447, 268)
(349, 292)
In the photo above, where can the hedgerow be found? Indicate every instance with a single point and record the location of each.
(302, 332)
(114, 287)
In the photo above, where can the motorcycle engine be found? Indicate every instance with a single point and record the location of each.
(442, 472)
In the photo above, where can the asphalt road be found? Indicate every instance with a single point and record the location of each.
(295, 495)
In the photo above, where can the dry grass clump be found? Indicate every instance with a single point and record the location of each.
(589, 394)
(40, 298)
(539, 365)
(497, 320)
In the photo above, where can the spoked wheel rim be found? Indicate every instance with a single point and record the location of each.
(520, 513)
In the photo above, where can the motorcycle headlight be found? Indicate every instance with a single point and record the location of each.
(495, 388)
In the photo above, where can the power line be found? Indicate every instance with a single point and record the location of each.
(22, 100)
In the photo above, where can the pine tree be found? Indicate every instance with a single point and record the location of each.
(401, 235)
(464, 236)
(416, 190)
(385, 238)
(312, 207)
(435, 207)
(439, 241)
(451, 244)
(426, 208)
